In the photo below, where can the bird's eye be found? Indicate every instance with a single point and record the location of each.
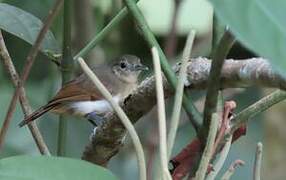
(123, 65)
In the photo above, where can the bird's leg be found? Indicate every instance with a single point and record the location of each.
(94, 118)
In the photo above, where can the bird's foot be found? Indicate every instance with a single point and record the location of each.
(94, 119)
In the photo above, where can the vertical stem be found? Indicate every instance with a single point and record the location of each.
(221, 51)
(206, 157)
(67, 71)
(208, 132)
(161, 115)
(257, 162)
(179, 92)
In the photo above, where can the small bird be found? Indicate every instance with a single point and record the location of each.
(79, 97)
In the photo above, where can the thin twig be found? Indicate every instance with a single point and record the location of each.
(28, 65)
(123, 117)
(223, 155)
(256, 108)
(103, 33)
(161, 115)
(204, 163)
(193, 113)
(258, 162)
(67, 67)
(175, 118)
(227, 175)
(8, 63)
(36, 46)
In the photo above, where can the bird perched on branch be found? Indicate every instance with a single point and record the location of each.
(80, 97)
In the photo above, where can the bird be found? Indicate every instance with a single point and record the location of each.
(79, 97)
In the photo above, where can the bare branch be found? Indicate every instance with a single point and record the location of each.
(235, 73)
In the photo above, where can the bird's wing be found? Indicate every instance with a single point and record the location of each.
(74, 91)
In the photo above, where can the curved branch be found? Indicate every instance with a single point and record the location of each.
(235, 73)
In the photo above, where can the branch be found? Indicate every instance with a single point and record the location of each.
(235, 73)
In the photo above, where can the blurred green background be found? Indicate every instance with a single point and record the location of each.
(89, 17)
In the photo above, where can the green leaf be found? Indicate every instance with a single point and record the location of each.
(26, 26)
(47, 168)
(259, 24)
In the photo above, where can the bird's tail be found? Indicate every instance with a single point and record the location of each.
(42, 110)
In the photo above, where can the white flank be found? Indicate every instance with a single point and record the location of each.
(85, 107)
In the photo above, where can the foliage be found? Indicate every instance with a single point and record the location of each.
(26, 26)
(47, 168)
(258, 24)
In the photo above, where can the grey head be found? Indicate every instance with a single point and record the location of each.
(128, 68)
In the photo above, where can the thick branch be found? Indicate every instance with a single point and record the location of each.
(243, 73)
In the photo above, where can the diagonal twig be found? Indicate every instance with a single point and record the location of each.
(26, 70)
(256, 108)
(8, 63)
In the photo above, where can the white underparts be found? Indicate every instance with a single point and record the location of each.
(86, 107)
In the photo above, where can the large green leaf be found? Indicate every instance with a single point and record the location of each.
(258, 24)
(47, 168)
(26, 26)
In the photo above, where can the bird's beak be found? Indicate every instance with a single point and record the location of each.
(141, 67)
